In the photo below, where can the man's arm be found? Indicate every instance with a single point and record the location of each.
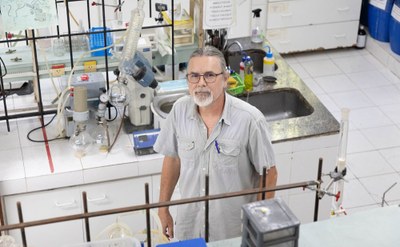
(169, 177)
(272, 177)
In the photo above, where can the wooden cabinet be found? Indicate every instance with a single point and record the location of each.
(304, 25)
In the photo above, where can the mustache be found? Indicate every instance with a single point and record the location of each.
(202, 90)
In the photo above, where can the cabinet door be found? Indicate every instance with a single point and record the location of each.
(310, 12)
(117, 194)
(44, 205)
(307, 38)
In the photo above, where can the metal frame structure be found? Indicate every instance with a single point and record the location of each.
(31, 38)
(147, 206)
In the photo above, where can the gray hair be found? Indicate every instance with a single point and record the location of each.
(210, 51)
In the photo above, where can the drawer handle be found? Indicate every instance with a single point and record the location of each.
(64, 204)
(100, 198)
(340, 35)
(343, 9)
(287, 15)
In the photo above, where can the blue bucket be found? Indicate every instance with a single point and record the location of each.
(394, 28)
(379, 18)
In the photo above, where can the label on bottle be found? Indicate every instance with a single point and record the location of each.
(248, 78)
(268, 66)
(396, 12)
(361, 40)
(380, 4)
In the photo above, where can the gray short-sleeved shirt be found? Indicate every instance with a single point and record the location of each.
(233, 156)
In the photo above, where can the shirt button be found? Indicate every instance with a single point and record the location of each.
(204, 169)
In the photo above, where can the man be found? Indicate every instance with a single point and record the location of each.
(212, 133)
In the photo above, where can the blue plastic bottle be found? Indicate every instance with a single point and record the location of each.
(394, 28)
(378, 19)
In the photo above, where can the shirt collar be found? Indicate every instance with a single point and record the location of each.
(226, 113)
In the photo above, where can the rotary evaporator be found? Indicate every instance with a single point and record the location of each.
(134, 90)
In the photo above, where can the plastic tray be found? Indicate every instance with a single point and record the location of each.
(240, 85)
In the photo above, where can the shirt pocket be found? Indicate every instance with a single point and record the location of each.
(228, 155)
(186, 151)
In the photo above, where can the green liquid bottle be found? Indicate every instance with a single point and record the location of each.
(248, 74)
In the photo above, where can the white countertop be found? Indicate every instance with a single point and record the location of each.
(29, 166)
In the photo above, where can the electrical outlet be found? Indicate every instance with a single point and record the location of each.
(90, 66)
(57, 70)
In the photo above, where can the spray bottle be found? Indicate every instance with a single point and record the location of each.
(257, 34)
(268, 63)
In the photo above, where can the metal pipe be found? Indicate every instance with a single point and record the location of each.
(85, 210)
(319, 175)
(4, 95)
(148, 228)
(1, 214)
(173, 40)
(22, 115)
(39, 90)
(207, 205)
(105, 45)
(21, 220)
(71, 57)
(264, 181)
(156, 205)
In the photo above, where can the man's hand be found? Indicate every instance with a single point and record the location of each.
(167, 223)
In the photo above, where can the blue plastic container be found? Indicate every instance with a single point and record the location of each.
(379, 18)
(394, 28)
(96, 40)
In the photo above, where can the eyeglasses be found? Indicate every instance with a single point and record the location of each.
(209, 77)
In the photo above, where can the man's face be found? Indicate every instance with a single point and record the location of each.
(211, 85)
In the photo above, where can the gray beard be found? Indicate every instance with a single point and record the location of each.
(203, 101)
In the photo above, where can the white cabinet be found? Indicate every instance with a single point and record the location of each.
(117, 194)
(43, 205)
(303, 25)
(68, 201)
(297, 161)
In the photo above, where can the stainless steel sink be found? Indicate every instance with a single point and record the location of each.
(233, 59)
(279, 104)
(162, 105)
(275, 104)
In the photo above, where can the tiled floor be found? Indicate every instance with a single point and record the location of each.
(355, 79)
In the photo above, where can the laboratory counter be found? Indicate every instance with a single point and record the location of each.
(318, 122)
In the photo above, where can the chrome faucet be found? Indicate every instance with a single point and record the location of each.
(226, 48)
(225, 51)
